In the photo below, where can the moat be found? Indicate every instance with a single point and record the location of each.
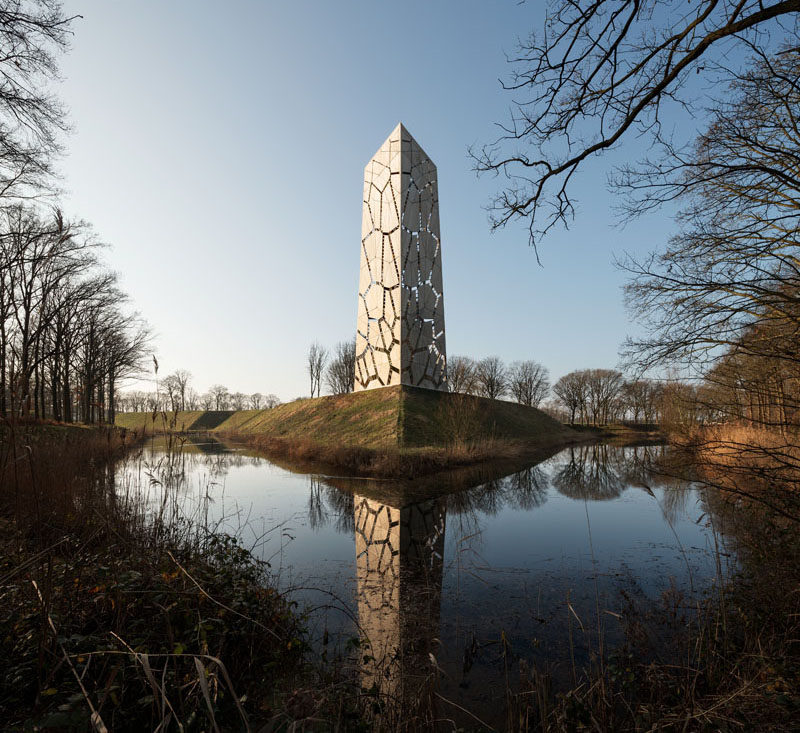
(451, 593)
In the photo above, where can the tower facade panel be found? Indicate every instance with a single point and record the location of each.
(400, 331)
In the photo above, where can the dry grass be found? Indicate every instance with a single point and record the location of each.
(748, 465)
(390, 463)
(115, 615)
(151, 625)
(735, 444)
(156, 423)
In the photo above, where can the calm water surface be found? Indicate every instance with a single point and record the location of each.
(470, 573)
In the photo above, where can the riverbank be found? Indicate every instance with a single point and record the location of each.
(738, 662)
(115, 617)
(627, 433)
(146, 619)
(403, 464)
(738, 650)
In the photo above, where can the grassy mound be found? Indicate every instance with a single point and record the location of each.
(377, 419)
(437, 418)
(364, 419)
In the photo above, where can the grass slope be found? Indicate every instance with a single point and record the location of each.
(182, 421)
(363, 419)
(433, 418)
(392, 417)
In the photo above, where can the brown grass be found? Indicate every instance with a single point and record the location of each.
(41, 468)
(115, 615)
(734, 655)
(748, 464)
(389, 463)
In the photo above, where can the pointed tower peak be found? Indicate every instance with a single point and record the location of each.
(402, 132)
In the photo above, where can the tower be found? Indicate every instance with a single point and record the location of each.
(400, 331)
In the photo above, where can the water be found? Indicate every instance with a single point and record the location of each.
(470, 574)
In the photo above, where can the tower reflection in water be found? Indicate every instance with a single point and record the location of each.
(399, 567)
(399, 546)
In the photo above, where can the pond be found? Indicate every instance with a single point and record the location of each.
(453, 584)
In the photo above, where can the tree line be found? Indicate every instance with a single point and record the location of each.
(67, 338)
(719, 301)
(337, 368)
(722, 300)
(585, 396)
(176, 393)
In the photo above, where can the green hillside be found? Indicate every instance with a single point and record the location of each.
(181, 422)
(392, 417)
(432, 418)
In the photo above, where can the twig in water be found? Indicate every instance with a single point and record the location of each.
(464, 710)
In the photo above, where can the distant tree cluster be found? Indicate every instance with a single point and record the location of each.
(722, 300)
(597, 396)
(603, 396)
(174, 392)
(586, 396)
(527, 382)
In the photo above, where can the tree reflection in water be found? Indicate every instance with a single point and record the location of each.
(326, 502)
(398, 530)
(399, 545)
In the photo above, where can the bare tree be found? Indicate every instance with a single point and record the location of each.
(65, 341)
(43, 259)
(255, 400)
(640, 398)
(221, 396)
(126, 344)
(555, 408)
(491, 377)
(238, 400)
(170, 385)
(340, 376)
(603, 386)
(137, 401)
(271, 401)
(572, 390)
(602, 71)
(315, 365)
(461, 374)
(528, 382)
(182, 379)
(207, 400)
(32, 34)
(192, 399)
(729, 280)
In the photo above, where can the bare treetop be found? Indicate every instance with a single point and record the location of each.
(32, 34)
(734, 268)
(601, 71)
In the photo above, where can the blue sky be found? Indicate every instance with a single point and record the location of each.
(219, 148)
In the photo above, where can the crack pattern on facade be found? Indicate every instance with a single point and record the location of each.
(400, 332)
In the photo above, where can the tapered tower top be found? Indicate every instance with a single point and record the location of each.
(400, 330)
